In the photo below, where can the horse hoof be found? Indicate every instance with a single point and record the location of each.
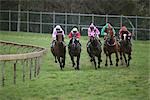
(127, 65)
(106, 64)
(91, 60)
(98, 66)
(111, 64)
(116, 64)
(73, 65)
(55, 61)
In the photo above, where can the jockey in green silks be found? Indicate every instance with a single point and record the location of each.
(108, 31)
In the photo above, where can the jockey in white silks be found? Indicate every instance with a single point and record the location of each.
(56, 30)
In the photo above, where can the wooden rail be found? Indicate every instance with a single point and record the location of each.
(31, 59)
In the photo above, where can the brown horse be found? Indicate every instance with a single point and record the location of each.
(111, 46)
(94, 50)
(125, 48)
(74, 50)
(59, 50)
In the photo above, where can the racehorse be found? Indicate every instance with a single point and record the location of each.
(59, 50)
(111, 46)
(125, 48)
(94, 50)
(74, 50)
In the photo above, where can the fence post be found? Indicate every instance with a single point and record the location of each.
(106, 18)
(31, 64)
(53, 19)
(35, 68)
(66, 23)
(79, 21)
(9, 20)
(92, 18)
(40, 22)
(27, 21)
(136, 27)
(23, 70)
(15, 72)
(19, 17)
(3, 72)
(120, 21)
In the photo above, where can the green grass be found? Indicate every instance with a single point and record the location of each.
(106, 83)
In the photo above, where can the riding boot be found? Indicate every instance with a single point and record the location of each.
(69, 45)
(64, 43)
(100, 42)
(105, 42)
(53, 44)
(88, 44)
(78, 42)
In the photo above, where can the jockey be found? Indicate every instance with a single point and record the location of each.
(124, 30)
(108, 32)
(93, 31)
(74, 32)
(56, 30)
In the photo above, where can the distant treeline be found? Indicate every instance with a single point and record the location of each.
(124, 7)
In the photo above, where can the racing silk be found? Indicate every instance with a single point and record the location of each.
(106, 28)
(77, 34)
(55, 33)
(93, 32)
(124, 30)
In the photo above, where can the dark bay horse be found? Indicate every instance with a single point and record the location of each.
(111, 46)
(125, 47)
(74, 50)
(59, 50)
(94, 50)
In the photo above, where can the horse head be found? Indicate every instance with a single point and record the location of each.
(94, 41)
(60, 39)
(126, 40)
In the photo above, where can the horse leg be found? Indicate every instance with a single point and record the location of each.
(117, 58)
(129, 58)
(94, 62)
(63, 60)
(99, 60)
(55, 59)
(72, 59)
(125, 58)
(121, 58)
(78, 62)
(110, 59)
(106, 60)
(60, 63)
(90, 53)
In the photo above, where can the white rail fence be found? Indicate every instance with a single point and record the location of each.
(43, 22)
(27, 58)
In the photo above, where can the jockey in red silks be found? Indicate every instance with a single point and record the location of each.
(123, 31)
(74, 33)
(108, 32)
(93, 31)
(125, 34)
(56, 30)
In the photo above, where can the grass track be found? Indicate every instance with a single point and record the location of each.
(106, 83)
